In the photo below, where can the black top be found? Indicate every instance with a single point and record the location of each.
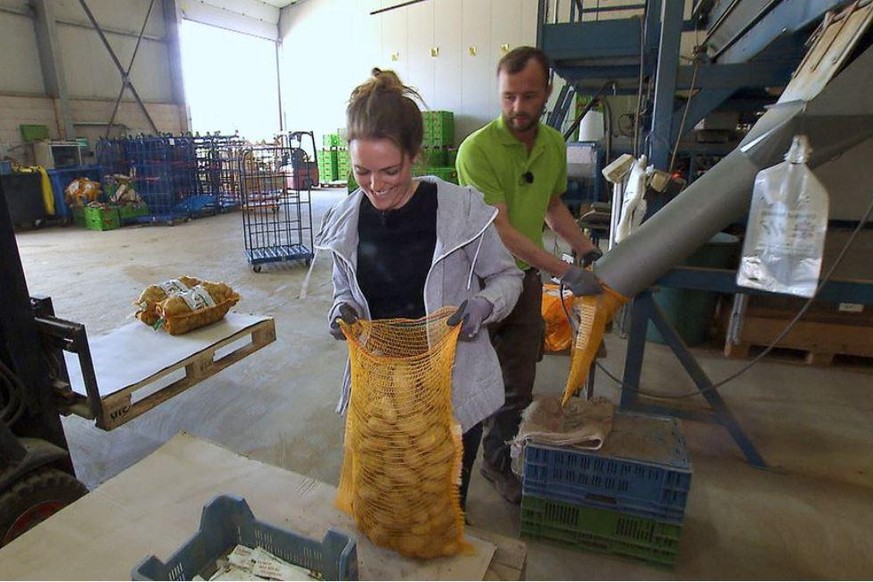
(395, 251)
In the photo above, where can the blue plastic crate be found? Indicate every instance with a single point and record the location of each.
(642, 469)
(60, 178)
(227, 521)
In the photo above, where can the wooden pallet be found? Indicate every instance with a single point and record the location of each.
(818, 342)
(124, 400)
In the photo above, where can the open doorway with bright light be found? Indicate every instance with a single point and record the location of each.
(231, 81)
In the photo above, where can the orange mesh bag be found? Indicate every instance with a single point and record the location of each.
(147, 303)
(402, 457)
(201, 305)
(559, 335)
(594, 311)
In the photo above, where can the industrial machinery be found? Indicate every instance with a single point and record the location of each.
(825, 98)
(36, 472)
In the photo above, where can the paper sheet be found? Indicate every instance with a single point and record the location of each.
(135, 351)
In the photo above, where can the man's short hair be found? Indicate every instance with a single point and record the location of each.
(517, 59)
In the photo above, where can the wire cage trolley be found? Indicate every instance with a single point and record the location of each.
(275, 205)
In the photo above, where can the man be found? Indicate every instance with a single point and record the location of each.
(520, 165)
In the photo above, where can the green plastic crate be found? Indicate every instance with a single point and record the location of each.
(129, 212)
(439, 128)
(446, 173)
(33, 132)
(434, 157)
(327, 165)
(330, 140)
(79, 216)
(343, 162)
(101, 218)
(451, 156)
(600, 530)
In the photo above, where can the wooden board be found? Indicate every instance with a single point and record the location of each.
(154, 507)
(820, 340)
(132, 361)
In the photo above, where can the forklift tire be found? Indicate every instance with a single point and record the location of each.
(35, 498)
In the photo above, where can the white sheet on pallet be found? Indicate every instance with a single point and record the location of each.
(135, 351)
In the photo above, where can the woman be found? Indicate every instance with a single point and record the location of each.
(405, 247)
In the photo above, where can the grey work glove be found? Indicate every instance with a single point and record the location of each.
(470, 315)
(348, 314)
(591, 257)
(581, 281)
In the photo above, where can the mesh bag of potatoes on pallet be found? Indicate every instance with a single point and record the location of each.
(402, 450)
(184, 304)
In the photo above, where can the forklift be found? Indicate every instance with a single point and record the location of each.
(37, 477)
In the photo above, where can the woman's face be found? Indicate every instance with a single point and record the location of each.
(383, 171)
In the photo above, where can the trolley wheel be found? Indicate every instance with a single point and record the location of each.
(171, 223)
(256, 268)
(307, 262)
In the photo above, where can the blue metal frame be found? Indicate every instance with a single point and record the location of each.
(724, 281)
(643, 310)
(665, 84)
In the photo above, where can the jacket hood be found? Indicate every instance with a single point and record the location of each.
(459, 219)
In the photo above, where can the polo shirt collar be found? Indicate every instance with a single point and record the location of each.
(507, 139)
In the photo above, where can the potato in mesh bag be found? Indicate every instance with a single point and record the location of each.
(153, 294)
(201, 305)
(403, 448)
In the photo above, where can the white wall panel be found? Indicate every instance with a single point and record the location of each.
(19, 63)
(447, 66)
(419, 42)
(478, 82)
(395, 45)
(455, 80)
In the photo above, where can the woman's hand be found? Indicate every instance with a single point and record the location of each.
(471, 314)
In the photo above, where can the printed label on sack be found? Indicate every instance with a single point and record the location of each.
(173, 287)
(198, 298)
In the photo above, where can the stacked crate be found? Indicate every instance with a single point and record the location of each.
(439, 137)
(333, 159)
(628, 498)
(327, 165)
(439, 128)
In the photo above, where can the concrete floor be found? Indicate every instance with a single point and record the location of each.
(809, 516)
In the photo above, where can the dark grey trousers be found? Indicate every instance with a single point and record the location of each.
(518, 341)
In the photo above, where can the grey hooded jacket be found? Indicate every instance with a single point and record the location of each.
(468, 253)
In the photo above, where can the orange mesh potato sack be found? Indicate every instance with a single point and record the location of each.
(559, 334)
(402, 452)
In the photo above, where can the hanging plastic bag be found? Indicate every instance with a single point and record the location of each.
(787, 225)
(633, 207)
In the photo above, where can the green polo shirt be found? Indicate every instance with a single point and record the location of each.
(494, 162)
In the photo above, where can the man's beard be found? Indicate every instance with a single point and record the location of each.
(527, 125)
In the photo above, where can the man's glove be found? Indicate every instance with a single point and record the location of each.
(348, 314)
(581, 282)
(590, 257)
(470, 315)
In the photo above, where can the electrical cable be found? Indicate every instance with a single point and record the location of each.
(684, 116)
(768, 349)
(11, 395)
(640, 85)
